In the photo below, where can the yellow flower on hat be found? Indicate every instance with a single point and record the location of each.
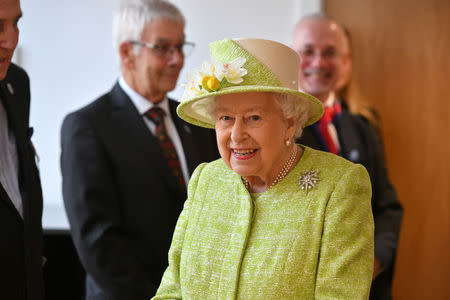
(208, 79)
(210, 83)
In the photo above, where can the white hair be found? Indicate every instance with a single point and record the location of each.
(133, 15)
(290, 106)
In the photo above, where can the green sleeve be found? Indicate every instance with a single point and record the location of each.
(346, 252)
(170, 284)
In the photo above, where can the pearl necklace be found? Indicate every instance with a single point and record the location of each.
(287, 166)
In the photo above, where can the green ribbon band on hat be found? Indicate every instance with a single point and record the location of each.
(257, 74)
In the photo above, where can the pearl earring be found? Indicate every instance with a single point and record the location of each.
(288, 143)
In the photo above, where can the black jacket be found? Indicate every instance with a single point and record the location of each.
(21, 246)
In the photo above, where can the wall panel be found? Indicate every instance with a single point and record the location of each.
(402, 68)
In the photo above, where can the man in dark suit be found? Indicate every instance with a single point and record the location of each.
(20, 187)
(126, 158)
(325, 61)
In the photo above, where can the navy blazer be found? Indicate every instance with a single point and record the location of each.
(361, 143)
(121, 198)
(21, 246)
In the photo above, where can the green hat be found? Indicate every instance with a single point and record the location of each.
(239, 66)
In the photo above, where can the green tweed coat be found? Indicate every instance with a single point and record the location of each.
(280, 244)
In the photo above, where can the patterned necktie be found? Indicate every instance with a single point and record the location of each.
(156, 115)
(328, 115)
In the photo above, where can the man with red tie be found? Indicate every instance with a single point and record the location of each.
(325, 62)
(126, 158)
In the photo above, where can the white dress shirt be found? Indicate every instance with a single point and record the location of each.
(9, 162)
(143, 105)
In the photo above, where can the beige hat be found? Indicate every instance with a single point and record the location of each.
(239, 66)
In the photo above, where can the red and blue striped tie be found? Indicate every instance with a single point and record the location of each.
(328, 115)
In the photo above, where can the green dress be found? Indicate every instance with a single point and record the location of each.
(280, 244)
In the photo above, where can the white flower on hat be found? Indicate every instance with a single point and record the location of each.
(207, 68)
(232, 71)
(208, 78)
(192, 87)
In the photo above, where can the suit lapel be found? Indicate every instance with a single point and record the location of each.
(349, 138)
(185, 133)
(13, 112)
(5, 198)
(14, 124)
(311, 138)
(130, 125)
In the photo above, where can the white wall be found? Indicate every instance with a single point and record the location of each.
(66, 47)
(269, 19)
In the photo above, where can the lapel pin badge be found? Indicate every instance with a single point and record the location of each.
(10, 88)
(354, 155)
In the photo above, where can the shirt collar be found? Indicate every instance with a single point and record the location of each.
(142, 104)
(330, 100)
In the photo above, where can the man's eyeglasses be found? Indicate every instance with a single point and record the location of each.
(166, 50)
(309, 54)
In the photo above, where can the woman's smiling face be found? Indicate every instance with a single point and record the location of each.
(251, 134)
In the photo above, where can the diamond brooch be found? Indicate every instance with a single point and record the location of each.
(308, 180)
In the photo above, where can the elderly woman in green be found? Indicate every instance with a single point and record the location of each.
(270, 219)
